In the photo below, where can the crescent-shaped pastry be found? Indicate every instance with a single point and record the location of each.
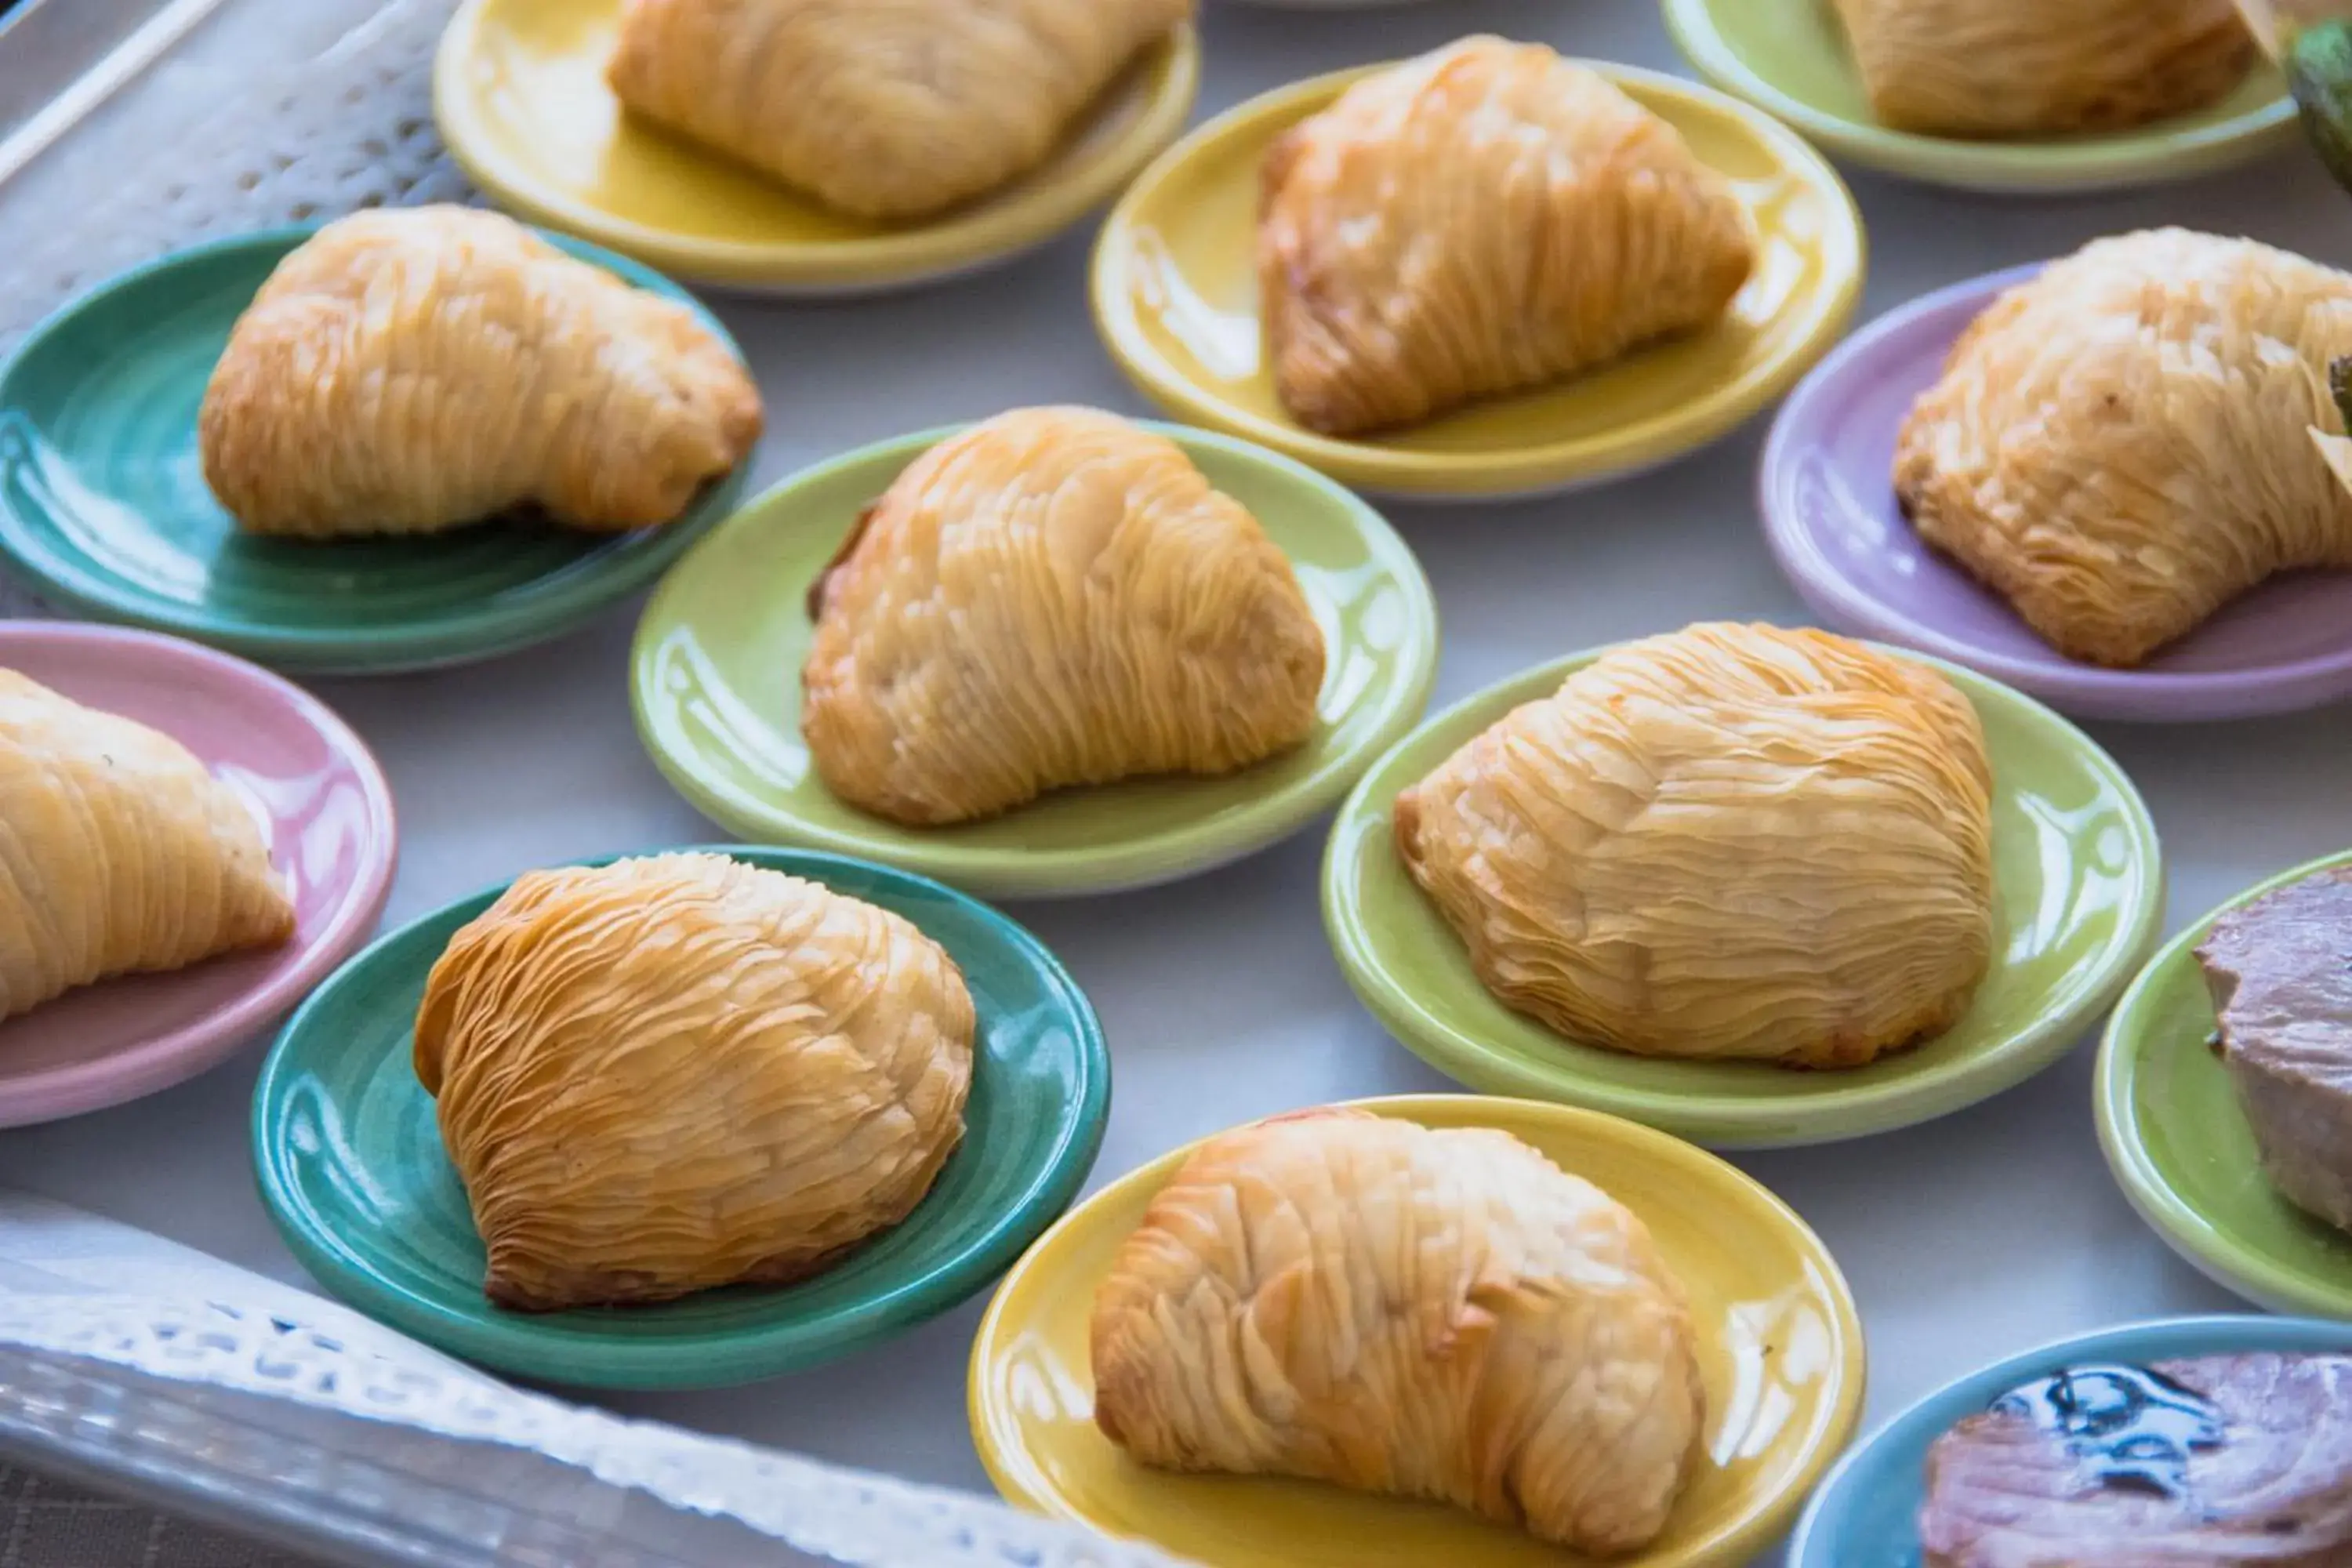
(1053, 597)
(410, 370)
(681, 1071)
(1481, 220)
(2137, 435)
(2016, 68)
(122, 854)
(1436, 1314)
(882, 108)
(1731, 842)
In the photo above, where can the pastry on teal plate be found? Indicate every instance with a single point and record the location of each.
(717, 678)
(349, 1146)
(2173, 1126)
(104, 508)
(1760, 874)
(1792, 59)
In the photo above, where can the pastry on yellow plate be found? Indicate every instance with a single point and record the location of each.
(1053, 597)
(680, 1071)
(2137, 435)
(1729, 842)
(1478, 221)
(2019, 68)
(122, 853)
(882, 108)
(410, 370)
(1436, 1314)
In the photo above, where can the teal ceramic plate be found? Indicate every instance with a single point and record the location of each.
(2169, 1122)
(716, 685)
(103, 504)
(1789, 58)
(351, 1168)
(2080, 891)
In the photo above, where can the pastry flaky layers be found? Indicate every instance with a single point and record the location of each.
(681, 1071)
(882, 108)
(2016, 68)
(1480, 220)
(1442, 1315)
(2137, 435)
(410, 370)
(1053, 597)
(123, 853)
(1731, 841)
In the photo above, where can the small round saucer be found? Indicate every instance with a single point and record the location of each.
(325, 811)
(1789, 58)
(1826, 492)
(1175, 298)
(349, 1155)
(1780, 1344)
(519, 90)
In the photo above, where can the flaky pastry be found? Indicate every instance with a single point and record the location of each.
(1731, 842)
(411, 370)
(681, 1071)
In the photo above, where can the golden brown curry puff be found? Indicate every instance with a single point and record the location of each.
(1442, 1315)
(2137, 435)
(123, 853)
(411, 370)
(1053, 597)
(1481, 220)
(883, 109)
(1732, 842)
(2016, 68)
(681, 1071)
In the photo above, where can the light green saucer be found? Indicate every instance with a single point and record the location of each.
(715, 682)
(2080, 888)
(1789, 58)
(2169, 1122)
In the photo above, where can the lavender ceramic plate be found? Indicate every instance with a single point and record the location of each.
(1830, 513)
(324, 808)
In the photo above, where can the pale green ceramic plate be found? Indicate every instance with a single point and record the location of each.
(1789, 58)
(2169, 1122)
(715, 681)
(2080, 891)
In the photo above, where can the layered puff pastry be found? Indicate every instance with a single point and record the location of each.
(680, 1071)
(1478, 221)
(2137, 435)
(123, 853)
(2017, 68)
(411, 370)
(1434, 1314)
(1053, 597)
(886, 110)
(1730, 842)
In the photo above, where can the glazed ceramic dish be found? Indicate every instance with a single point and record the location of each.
(1175, 298)
(352, 1170)
(715, 681)
(2174, 1136)
(103, 504)
(519, 90)
(1789, 58)
(1781, 1349)
(2079, 890)
(1867, 1512)
(326, 815)
(1827, 496)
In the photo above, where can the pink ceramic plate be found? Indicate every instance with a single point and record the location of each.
(326, 810)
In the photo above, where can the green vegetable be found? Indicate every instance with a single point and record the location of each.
(2319, 72)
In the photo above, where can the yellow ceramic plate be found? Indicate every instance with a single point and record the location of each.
(519, 89)
(1780, 1345)
(1175, 298)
